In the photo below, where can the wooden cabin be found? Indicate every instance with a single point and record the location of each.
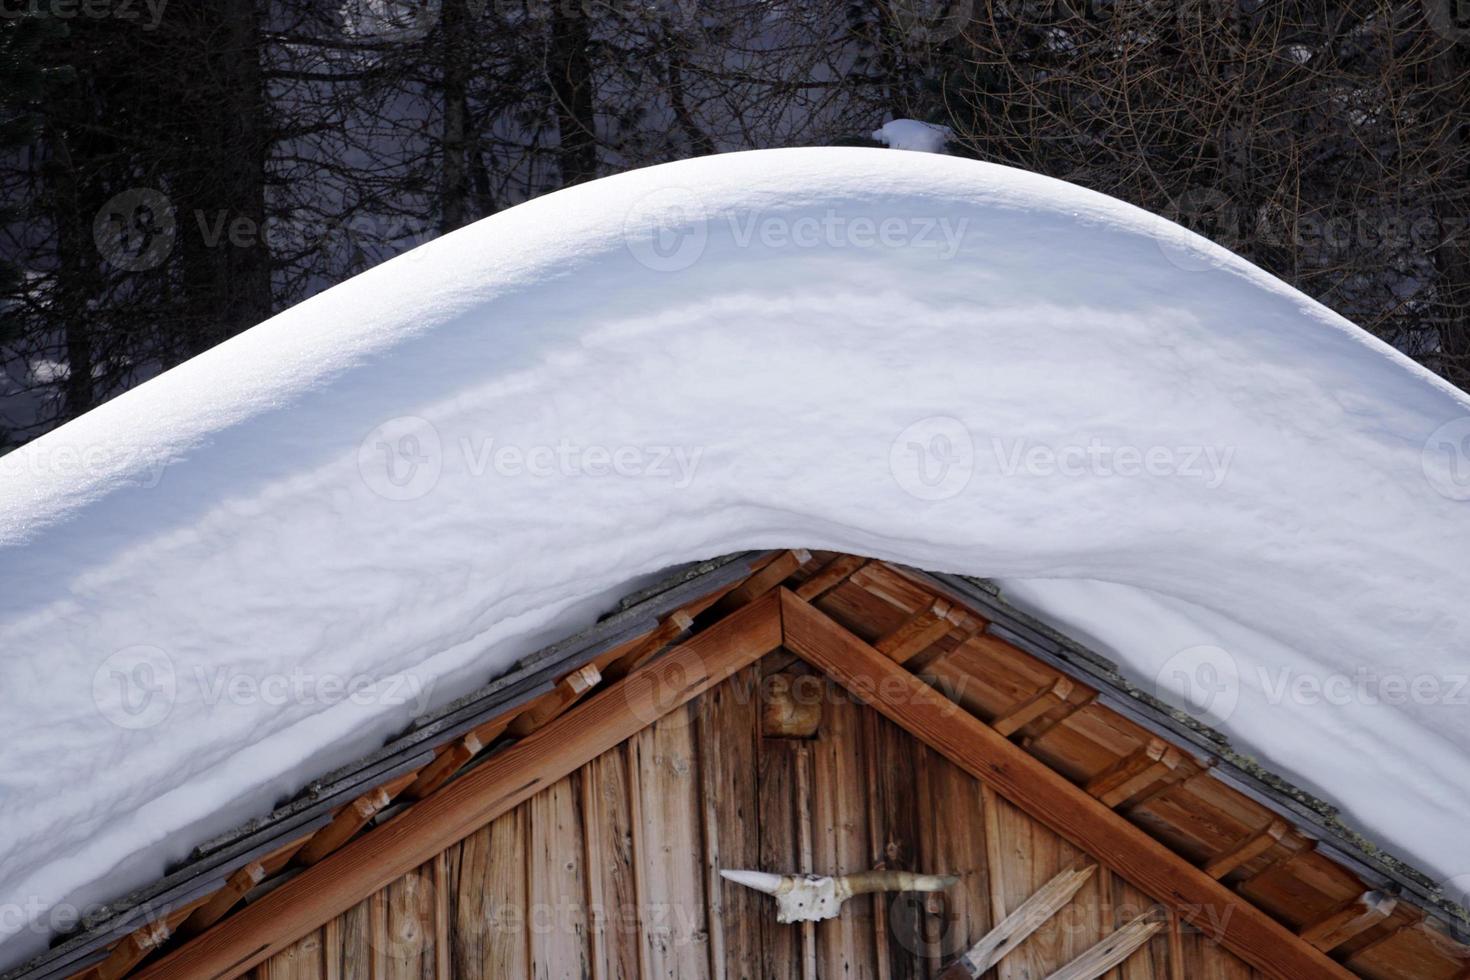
(793, 714)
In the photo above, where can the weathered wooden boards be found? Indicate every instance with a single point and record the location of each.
(512, 776)
(1071, 812)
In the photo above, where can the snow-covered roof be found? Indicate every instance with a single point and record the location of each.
(259, 564)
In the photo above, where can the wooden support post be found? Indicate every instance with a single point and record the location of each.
(367, 864)
(1052, 694)
(829, 576)
(1135, 772)
(918, 632)
(1252, 847)
(1348, 920)
(568, 691)
(1049, 797)
(1114, 949)
(1016, 927)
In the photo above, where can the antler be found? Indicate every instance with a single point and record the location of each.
(811, 898)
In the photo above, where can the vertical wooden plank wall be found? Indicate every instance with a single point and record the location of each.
(613, 872)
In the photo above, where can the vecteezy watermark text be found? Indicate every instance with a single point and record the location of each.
(138, 687)
(668, 230)
(403, 459)
(1210, 680)
(1207, 464)
(126, 10)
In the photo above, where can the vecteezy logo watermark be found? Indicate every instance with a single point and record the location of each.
(933, 459)
(135, 688)
(401, 459)
(135, 230)
(1208, 680)
(232, 686)
(127, 10)
(394, 21)
(1208, 464)
(1365, 685)
(138, 687)
(59, 459)
(676, 464)
(928, 22)
(667, 230)
(1206, 677)
(1450, 19)
(833, 229)
(1445, 459)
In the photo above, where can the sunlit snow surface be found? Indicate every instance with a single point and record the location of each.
(415, 477)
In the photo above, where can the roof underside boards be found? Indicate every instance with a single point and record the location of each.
(952, 635)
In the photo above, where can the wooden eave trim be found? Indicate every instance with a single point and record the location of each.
(1048, 797)
(374, 860)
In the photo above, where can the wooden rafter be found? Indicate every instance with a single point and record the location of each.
(1068, 810)
(1252, 847)
(376, 858)
(1351, 919)
(1052, 695)
(917, 632)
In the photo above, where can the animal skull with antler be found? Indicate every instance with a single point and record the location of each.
(812, 898)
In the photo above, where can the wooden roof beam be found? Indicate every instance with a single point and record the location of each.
(762, 581)
(1352, 918)
(1052, 695)
(918, 632)
(383, 854)
(829, 577)
(568, 691)
(1047, 796)
(1151, 762)
(1251, 847)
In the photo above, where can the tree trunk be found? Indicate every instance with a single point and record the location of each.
(454, 188)
(569, 66)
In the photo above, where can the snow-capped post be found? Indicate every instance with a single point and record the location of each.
(812, 898)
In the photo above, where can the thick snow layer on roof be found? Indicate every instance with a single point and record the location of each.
(260, 563)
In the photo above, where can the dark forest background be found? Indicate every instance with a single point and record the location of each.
(174, 171)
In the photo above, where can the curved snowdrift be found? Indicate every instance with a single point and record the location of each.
(418, 475)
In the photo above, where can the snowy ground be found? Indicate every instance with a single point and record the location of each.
(259, 564)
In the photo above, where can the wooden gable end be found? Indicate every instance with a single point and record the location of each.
(612, 870)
